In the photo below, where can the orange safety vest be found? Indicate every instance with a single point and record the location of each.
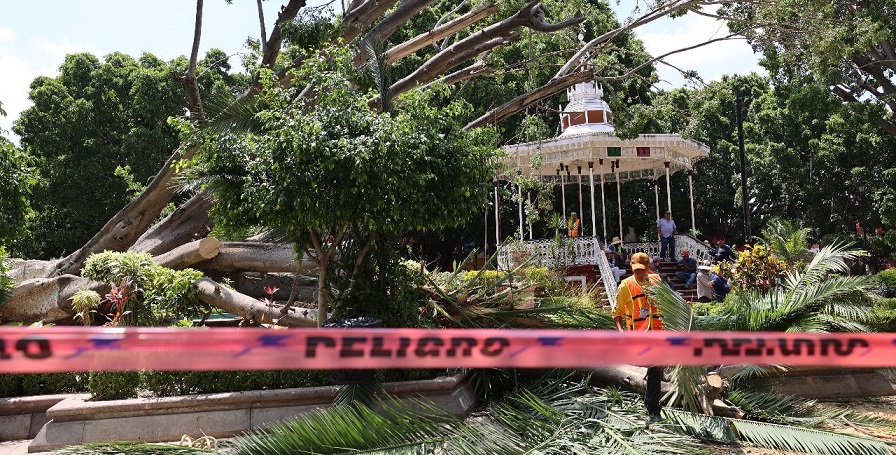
(574, 227)
(653, 319)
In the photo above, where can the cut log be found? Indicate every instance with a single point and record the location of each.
(723, 408)
(46, 299)
(626, 377)
(244, 306)
(187, 255)
(256, 257)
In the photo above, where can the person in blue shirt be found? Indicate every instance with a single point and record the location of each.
(720, 286)
(666, 228)
(723, 252)
(687, 269)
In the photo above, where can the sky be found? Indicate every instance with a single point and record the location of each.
(35, 36)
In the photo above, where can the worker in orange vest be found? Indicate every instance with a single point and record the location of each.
(573, 225)
(635, 310)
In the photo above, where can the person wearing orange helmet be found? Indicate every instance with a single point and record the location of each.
(635, 310)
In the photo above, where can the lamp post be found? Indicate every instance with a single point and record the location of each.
(743, 168)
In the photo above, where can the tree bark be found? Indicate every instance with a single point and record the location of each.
(256, 257)
(230, 301)
(425, 39)
(627, 377)
(519, 103)
(189, 254)
(530, 16)
(188, 223)
(46, 299)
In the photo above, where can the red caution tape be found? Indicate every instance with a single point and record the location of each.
(54, 349)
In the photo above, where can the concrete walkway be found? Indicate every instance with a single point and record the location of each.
(17, 448)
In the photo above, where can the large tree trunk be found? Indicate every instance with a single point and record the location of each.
(187, 255)
(45, 299)
(242, 305)
(256, 257)
(189, 222)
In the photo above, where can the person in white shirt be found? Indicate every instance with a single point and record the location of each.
(704, 284)
(666, 228)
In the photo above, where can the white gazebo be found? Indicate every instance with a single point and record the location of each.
(588, 149)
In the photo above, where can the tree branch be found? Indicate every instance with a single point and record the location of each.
(552, 87)
(425, 39)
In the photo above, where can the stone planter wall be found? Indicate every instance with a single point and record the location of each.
(71, 420)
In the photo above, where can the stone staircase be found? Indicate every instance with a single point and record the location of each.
(592, 279)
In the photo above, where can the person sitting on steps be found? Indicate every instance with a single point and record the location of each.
(687, 269)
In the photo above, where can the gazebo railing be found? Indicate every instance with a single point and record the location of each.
(698, 250)
(562, 252)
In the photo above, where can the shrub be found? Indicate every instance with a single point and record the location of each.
(25, 384)
(155, 295)
(6, 282)
(113, 385)
(887, 278)
(883, 315)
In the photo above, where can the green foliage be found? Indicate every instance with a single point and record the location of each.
(85, 303)
(156, 295)
(6, 281)
(787, 240)
(515, 298)
(757, 268)
(884, 315)
(96, 116)
(329, 169)
(113, 385)
(122, 385)
(27, 384)
(15, 191)
(887, 278)
(551, 416)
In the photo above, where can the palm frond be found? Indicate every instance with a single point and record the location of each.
(233, 116)
(364, 392)
(134, 448)
(774, 436)
(353, 429)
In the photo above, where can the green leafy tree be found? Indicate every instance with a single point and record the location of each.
(18, 179)
(96, 117)
(330, 172)
(844, 46)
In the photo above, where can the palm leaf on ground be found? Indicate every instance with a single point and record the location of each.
(774, 436)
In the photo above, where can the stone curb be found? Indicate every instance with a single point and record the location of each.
(73, 420)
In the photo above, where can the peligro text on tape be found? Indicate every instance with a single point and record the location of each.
(55, 349)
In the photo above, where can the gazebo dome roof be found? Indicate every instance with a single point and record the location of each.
(586, 111)
(589, 137)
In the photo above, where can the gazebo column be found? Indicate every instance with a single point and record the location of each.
(691, 189)
(668, 188)
(529, 201)
(562, 189)
(603, 198)
(519, 194)
(497, 215)
(656, 197)
(581, 212)
(591, 182)
(618, 200)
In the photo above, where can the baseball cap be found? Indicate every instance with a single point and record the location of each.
(640, 261)
(685, 253)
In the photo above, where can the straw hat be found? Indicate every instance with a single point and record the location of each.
(616, 240)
